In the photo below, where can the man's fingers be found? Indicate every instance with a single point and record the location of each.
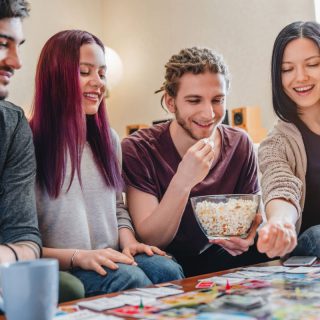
(234, 244)
(233, 252)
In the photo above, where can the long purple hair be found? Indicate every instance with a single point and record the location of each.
(59, 123)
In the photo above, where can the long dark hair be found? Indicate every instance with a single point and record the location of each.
(59, 124)
(283, 106)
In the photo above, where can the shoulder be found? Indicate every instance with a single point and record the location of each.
(283, 135)
(146, 137)
(12, 119)
(10, 113)
(235, 137)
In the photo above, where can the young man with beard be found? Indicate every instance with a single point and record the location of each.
(19, 235)
(168, 163)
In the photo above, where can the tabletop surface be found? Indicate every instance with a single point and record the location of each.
(289, 295)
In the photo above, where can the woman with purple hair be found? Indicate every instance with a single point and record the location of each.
(82, 218)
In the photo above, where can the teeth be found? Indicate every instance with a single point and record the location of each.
(204, 124)
(91, 95)
(301, 89)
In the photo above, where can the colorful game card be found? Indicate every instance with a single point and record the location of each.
(133, 311)
(205, 284)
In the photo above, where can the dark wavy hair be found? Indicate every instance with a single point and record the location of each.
(59, 124)
(283, 106)
(14, 9)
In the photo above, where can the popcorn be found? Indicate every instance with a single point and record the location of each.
(209, 141)
(225, 219)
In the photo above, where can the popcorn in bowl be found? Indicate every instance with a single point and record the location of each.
(224, 216)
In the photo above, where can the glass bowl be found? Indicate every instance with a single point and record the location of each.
(225, 216)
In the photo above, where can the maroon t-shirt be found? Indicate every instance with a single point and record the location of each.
(150, 160)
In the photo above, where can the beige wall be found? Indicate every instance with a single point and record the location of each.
(46, 18)
(147, 32)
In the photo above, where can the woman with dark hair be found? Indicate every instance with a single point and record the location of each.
(289, 158)
(81, 214)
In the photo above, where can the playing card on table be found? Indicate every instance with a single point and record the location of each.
(222, 281)
(134, 300)
(304, 270)
(269, 269)
(101, 304)
(168, 285)
(160, 292)
(133, 311)
(255, 284)
(205, 284)
(246, 274)
(85, 315)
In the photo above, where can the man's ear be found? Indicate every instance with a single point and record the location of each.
(169, 101)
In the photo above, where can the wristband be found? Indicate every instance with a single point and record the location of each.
(13, 251)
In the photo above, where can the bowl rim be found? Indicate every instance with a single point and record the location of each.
(229, 195)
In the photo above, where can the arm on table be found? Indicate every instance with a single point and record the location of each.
(278, 236)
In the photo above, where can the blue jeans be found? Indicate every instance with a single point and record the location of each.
(308, 243)
(150, 270)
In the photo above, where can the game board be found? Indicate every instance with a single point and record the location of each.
(266, 294)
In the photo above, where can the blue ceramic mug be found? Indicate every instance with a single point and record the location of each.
(29, 289)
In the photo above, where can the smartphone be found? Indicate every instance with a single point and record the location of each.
(296, 261)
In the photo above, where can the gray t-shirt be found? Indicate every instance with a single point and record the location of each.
(85, 217)
(18, 218)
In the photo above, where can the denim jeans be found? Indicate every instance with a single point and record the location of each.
(308, 243)
(150, 270)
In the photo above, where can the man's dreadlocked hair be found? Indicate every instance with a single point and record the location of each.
(191, 60)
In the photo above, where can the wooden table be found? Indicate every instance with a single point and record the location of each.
(187, 284)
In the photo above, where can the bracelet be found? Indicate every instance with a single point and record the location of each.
(13, 251)
(73, 258)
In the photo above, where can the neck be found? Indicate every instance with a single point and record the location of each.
(311, 118)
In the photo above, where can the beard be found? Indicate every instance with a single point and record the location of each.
(183, 124)
(4, 84)
(3, 94)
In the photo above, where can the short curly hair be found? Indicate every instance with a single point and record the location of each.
(191, 60)
(14, 9)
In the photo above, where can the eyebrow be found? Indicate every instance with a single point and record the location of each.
(92, 65)
(11, 38)
(197, 96)
(304, 59)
